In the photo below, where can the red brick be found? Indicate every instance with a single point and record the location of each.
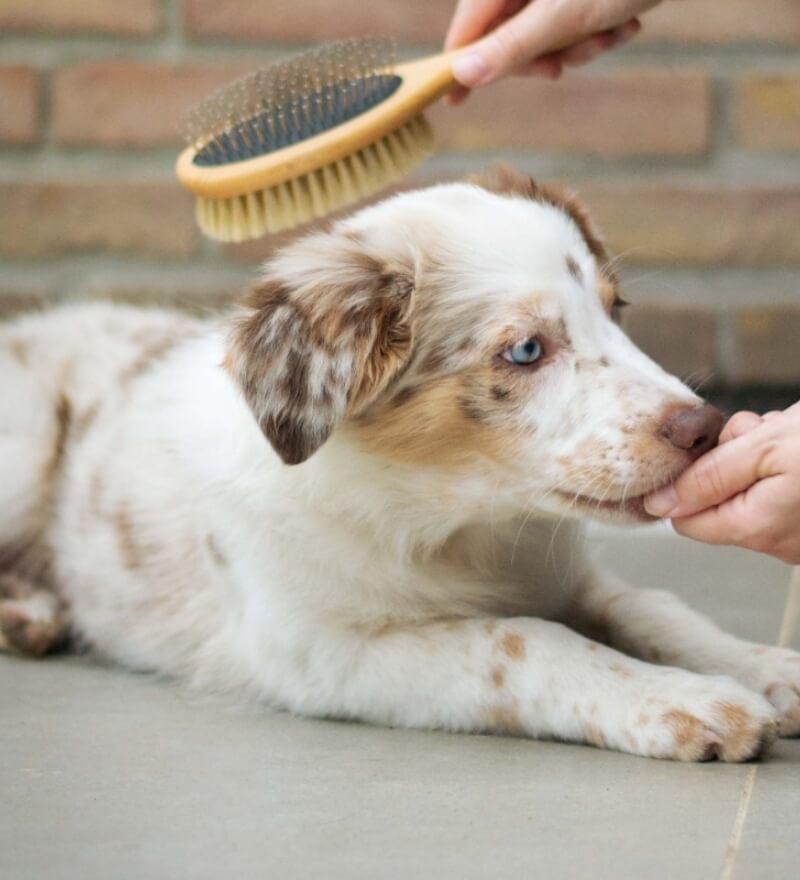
(767, 345)
(766, 111)
(724, 21)
(704, 224)
(308, 21)
(132, 17)
(19, 100)
(45, 219)
(680, 338)
(630, 113)
(131, 103)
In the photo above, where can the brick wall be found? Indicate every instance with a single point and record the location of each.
(687, 144)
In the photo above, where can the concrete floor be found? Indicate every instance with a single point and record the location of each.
(113, 775)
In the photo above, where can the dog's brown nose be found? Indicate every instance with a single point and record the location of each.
(696, 430)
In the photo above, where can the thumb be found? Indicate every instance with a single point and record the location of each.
(529, 34)
(717, 476)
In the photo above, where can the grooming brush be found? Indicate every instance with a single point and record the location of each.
(307, 136)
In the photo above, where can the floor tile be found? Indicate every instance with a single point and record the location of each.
(101, 768)
(770, 843)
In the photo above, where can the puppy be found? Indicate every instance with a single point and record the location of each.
(359, 496)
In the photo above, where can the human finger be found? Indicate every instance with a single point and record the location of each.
(728, 523)
(738, 424)
(471, 20)
(457, 95)
(712, 479)
(534, 31)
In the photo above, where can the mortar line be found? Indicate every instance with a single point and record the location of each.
(791, 611)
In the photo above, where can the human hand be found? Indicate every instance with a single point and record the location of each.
(745, 492)
(527, 37)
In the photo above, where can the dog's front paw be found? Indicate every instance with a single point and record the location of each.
(688, 717)
(775, 673)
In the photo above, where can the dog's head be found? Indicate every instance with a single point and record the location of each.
(469, 329)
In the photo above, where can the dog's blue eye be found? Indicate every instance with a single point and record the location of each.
(524, 353)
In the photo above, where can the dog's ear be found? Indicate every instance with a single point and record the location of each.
(324, 333)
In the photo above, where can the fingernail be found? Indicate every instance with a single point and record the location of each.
(662, 502)
(470, 69)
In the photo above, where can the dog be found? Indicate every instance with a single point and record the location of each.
(360, 494)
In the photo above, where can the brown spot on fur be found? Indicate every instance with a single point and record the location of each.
(595, 736)
(20, 349)
(592, 646)
(513, 646)
(743, 738)
(499, 393)
(63, 414)
(147, 359)
(214, 551)
(131, 552)
(687, 732)
(498, 676)
(433, 362)
(490, 626)
(472, 409)
(404, 395)
(620, 670)
(574, 269)
(30, 559)
(506, 719)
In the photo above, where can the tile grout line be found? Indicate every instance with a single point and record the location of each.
(738, 824)
(791, 612)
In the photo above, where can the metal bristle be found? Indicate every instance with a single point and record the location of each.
(291, 100)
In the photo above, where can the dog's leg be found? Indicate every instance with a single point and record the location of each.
(32, 620)
(655, 625)
(529, 677)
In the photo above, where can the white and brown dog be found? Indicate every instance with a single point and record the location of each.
(359, 496)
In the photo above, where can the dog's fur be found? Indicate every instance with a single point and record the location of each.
(344, 499)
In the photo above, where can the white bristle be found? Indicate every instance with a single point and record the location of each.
(319, 192)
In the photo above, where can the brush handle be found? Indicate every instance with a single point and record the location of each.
(429, 78)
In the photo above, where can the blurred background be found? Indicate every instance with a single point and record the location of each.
(686, 144)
